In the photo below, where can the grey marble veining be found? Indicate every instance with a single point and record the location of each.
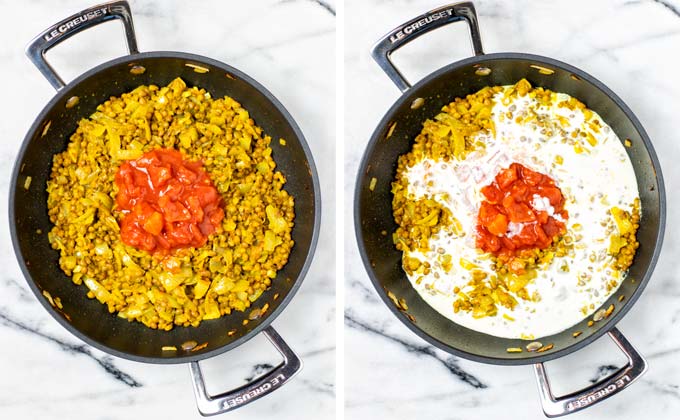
(286, 45)
(631, 46)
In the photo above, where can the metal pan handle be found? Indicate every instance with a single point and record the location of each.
(613, 384)
(209, 405)
(407, 32)
(70, 26)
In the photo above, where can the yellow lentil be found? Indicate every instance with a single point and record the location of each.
(239, 260)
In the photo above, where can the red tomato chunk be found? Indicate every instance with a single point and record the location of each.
(508, 222)
(168, 203)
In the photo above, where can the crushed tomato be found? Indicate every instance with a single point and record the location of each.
(523, 209)
(167, 202)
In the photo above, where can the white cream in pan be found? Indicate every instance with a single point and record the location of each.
(592, 182)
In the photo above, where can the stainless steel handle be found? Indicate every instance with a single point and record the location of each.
(70, 26)
(403, 34)
(613, 384)
(209, 405)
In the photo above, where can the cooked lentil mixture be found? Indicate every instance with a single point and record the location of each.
(516, 228)
(240, 258)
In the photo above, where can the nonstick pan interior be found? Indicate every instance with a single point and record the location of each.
(373, 209)
(89, 319)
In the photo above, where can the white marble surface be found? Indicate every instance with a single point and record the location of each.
(288, 46)
(632, 46)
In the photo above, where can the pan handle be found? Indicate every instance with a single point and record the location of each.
(407, 32)
(613, 384)
(70, 26)
(209, 405)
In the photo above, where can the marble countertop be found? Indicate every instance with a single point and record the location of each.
(288, 46)
(631, 46)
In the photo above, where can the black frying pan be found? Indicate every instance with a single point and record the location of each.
(373, 209)
(88, 319)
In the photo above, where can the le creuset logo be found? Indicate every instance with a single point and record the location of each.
(419, 24)
(599, 394)
(253, 393)
(59, 30)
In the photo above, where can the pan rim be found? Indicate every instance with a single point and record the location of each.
(513, 358)
(312, 171)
